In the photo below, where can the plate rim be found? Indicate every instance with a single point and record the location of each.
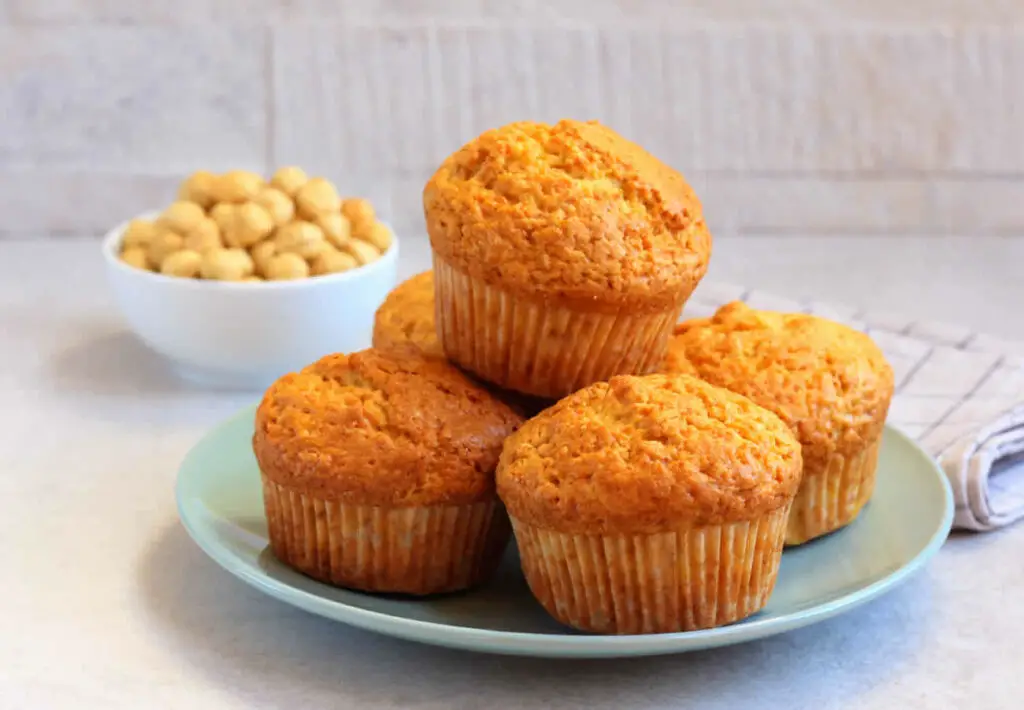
(523, 643)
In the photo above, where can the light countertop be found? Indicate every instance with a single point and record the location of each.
(105, 602)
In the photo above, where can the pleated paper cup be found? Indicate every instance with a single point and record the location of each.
(541, 349)
(689, 579)
(833, 498)
(416, 550)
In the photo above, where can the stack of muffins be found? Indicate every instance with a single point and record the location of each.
(655, 485)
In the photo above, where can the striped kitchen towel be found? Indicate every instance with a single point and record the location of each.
(960, 394)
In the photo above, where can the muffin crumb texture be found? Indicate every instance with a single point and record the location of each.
(571, 211)
(406, 318)
(831, 384)
(388, 429)
(646, 455)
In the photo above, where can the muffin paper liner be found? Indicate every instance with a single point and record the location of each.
(423, 550)
(833, 498)
(693, 578)
(539, 349)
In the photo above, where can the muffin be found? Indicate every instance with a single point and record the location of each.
(563, 255)
(831, 384)
(378, 473)
(406, 318)
(650, 504)
(405, 321)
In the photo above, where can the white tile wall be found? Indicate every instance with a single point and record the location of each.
(146, 100)
(789, 116)
(823, 204)
(43, 203)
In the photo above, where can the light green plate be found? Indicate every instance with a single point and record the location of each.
(220, 503)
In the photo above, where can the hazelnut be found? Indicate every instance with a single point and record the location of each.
(261, 253)
(251, 224)
(184, 263)
(286, 266)
(205, 235)
(200, 188)
(135, 256)
(288, 180)
(303, 238)
(332, 262)
(164, 243)
(223, 214)
(181, 217)
(244, 260)
(277, 204)
(139, 233)
(364, 252)
(378, 235)
(317, 197)
(226, 265)
(359, 211)
(237, 186)
(336, 228)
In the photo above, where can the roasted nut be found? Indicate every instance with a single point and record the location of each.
(317, 197)
(378, 235)
(251, 225)
(332, 262)
(245, 260)
(286, 266)
(184, 263)
(181, 217)
(135, 256)
(359, 212)
(288, 180)
(261, 254)
(223, 213)
(139, 233)
(277, 204)
(237, 226)
(199, 187)
(300, 237)
(226, 265)
(164, 243)
(364, 252)
(205, 235)
(237, 186)
(336, 228)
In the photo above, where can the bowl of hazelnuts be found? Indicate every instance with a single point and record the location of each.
(242, 278)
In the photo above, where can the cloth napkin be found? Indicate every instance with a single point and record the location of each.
(960, 394)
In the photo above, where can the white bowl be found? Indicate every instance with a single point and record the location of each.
(246, 335)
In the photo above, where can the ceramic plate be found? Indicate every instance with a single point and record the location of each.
(220, 503)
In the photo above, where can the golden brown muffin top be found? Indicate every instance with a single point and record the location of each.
(406, 318)
(571, 211)
(648, 454)
(382, 428)
(828, 382)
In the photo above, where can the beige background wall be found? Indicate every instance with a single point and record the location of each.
(897, 117)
